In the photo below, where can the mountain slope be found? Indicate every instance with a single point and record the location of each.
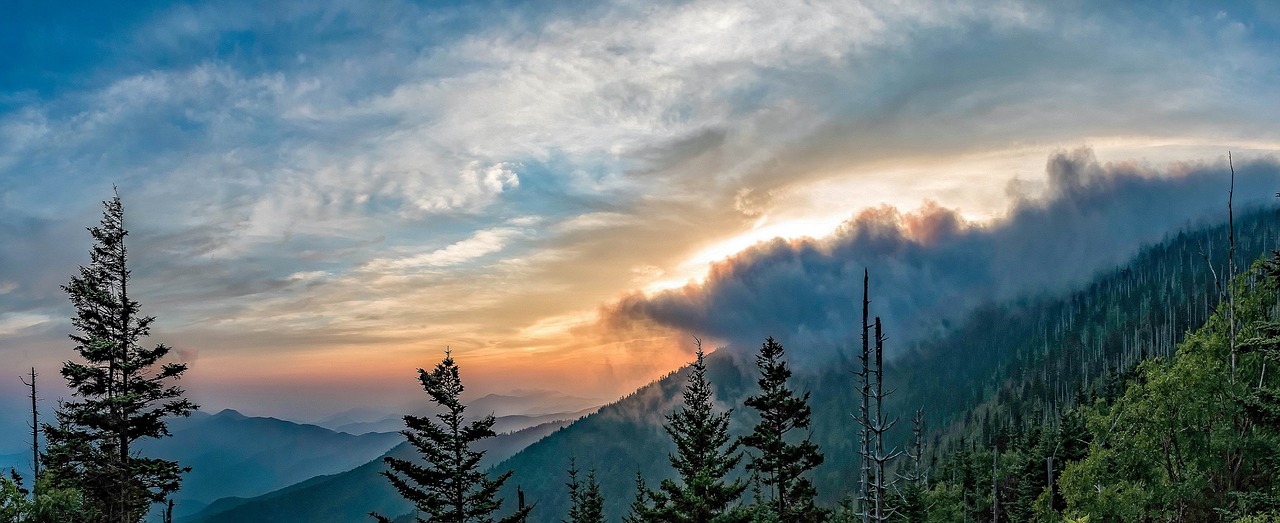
(234, 455)
(1045, 348)
(350, 495)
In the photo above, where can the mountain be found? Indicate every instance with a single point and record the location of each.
(1035, 352)
(350, 495)
(355, 416)
(531, 403)
(235, 455)
(502, 424)
(19, 461)
(518, 422)
(518, 410)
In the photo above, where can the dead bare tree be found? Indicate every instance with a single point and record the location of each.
(879, 425)
(864, 411)
(35, 430)
(1231, 266)
(874, 489)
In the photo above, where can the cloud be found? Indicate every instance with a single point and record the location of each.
(13, 323)
(482, 243)
(931, 266)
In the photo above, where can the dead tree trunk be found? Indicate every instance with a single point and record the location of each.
(864, 412)
(879, 425)
(35, 431)
(1231, 267)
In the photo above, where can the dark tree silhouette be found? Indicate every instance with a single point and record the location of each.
(586, 503)
(779, 463)
(123, 391)
(640, 511)
(705, 456)
(448, 483)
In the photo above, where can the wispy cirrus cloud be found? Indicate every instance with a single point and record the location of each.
(481, 244)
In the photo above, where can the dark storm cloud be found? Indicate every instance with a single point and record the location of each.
(930, 265)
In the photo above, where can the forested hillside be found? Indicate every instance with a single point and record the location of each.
(1187, 436)
(1031, 358)
(1006, 365)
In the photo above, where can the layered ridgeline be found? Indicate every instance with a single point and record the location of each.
(347, 490)
(350, 495)
(231, 454)
(1013, 359)
(512, 412)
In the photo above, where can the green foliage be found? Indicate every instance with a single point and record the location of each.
(945, 502)
(14, 505)
(1180, 443)
(780, 463)
(705, 456)
(448, 483)
(1008, 361)
(121, 394)
(50, 505)
(1262, 517)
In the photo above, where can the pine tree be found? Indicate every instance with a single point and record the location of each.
(448, 483)
(575, 494)
(640, 511)
(121, 394)
(705, 456)
(592, 500)
(779, 463)
(586, 503)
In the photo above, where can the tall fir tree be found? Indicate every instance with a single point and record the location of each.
(778, 462)
(448, 483)
(586, 503)
(705, 456)
(123, 392)
(640, 511)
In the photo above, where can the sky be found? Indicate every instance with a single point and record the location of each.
(324, 195)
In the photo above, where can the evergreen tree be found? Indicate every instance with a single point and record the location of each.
(640, 511)
(121, 394)
(705, 456)
(913, 506)
(575, 494)
(586, 503)
(448, 484)
(779, 463)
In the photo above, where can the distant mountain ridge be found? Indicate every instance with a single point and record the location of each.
(231, 454)
(502, 424)
(349, 496)
(515, 411)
